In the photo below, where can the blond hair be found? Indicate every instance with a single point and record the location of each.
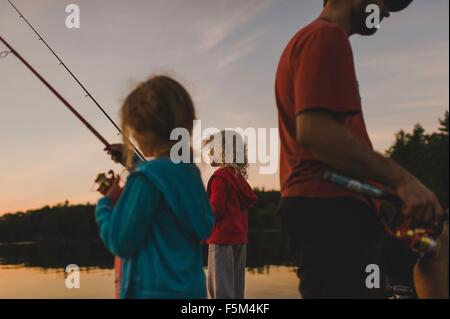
(152, 111)
(232, 154)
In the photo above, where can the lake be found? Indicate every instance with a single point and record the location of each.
(31, 270)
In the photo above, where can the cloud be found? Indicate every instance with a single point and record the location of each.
(427, 103)
(431, 54)
(224, 26)
(242, 48)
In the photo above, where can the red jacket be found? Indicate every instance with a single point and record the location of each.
(230, 197)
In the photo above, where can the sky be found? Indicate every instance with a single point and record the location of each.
(224, 51)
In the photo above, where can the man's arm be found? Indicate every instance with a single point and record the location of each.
(333, 144)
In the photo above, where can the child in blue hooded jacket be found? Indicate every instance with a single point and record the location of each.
(163, 213)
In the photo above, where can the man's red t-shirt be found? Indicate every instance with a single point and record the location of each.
(316, 72)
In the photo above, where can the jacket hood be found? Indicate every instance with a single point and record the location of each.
(247, 196)
(184, 193)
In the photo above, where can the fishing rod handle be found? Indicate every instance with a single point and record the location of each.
(370, 190)
(423, 243)
(362, 188)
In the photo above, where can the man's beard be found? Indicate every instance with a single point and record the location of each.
(359, 18)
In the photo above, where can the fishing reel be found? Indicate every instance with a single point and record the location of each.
(103, 182)
(423, 241)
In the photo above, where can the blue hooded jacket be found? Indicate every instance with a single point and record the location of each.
(157, 227)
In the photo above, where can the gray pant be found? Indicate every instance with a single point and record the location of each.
(226, 271)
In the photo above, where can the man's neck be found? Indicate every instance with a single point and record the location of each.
(338, 14)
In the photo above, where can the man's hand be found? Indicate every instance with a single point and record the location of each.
(420, 204)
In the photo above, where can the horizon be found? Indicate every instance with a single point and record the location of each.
(225, 54)
(69, 203)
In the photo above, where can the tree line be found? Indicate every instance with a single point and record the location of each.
(424, 154)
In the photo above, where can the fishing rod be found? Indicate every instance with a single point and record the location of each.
(423, 241)
(363, 188)
(53, 90)
(88, 94)
(102, 180)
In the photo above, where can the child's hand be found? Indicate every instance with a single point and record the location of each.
(114, 191)
(117, 152)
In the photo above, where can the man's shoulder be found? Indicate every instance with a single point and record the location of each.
(319, 27)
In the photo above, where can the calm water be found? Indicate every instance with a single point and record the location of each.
(29, 270)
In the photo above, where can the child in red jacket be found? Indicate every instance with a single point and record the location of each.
(230, 197)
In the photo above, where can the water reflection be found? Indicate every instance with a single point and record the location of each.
(36, 270)
(56, 255)
(38, 283)
(263, 249)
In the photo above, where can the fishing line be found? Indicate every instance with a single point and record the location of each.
(88, 94)
(53, 90)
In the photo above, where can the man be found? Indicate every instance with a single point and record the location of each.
(335, 233)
